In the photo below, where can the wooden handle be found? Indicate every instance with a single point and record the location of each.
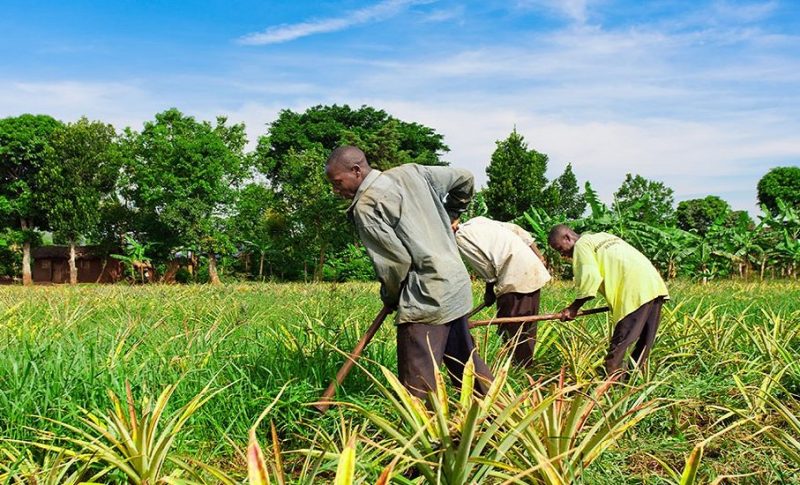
(533, 318)
(476, 310)
(324, 401)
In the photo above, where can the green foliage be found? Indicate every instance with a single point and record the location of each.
(569, 201)
(780, 183)
(63, 348)
(25, 146)
(516, 179)
(648, 201)
(180, 177)
(386, 141)
(292, 157)
(352, 264)
(78, 174)
(699, 214)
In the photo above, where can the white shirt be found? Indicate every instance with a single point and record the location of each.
(500, 253)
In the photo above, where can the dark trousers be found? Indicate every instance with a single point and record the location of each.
(522, 334)
(640, 327)
(450, 342)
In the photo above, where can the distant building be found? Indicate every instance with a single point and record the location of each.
(51, 265)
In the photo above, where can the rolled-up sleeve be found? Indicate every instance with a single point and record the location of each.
(587, 272)
(389, 256)
(454, 186)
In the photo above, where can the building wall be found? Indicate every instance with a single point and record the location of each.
(56, 270)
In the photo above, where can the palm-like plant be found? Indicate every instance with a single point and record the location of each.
(136, 443)
(547, 434)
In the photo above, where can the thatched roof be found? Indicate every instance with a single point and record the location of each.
(62, 252)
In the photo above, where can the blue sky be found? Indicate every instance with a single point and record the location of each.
(704, 96)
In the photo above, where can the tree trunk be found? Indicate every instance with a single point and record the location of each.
(213, 277)
(172, 269)
(27, 278)
(102, 270)
(73, 268)
(320, 263)
(261, 267)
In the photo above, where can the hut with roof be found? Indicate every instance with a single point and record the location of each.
(51, 265)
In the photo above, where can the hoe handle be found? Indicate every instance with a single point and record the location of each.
(324, 401)
(533, 318)
(476, 310)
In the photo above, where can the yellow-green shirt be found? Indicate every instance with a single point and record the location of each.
(625, 277)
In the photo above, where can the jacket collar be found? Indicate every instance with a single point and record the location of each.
(365, 184)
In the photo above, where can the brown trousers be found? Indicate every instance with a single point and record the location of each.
(640, 327)
(523, 334)
(450, 342)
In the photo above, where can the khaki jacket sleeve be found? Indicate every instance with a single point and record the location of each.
(455, 186)
(389, 256)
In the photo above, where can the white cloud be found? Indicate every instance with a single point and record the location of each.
(575, 10)
(121, 104)
(288, 32)
(445, 15)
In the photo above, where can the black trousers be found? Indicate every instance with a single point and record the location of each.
(421, 348)
(639, 327)
(523, 334)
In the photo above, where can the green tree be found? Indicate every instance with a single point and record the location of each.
(292, 156)
(516, 179)
(181, 177)
(568, 201)
(258, 223)
(780, 183)
(80, 172)
(24, 148)
(647, 201)
(698, 214)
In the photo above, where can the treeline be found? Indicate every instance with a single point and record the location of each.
(188, 200)
(700, 238)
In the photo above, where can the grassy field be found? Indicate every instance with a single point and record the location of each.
(723, 349)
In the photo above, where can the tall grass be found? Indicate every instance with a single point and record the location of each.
(62, 349)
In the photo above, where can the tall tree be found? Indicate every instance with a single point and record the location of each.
(258, 223)
(181, 176)
(80, 172)
(24, 148)
(698, 214)
(568, 199)
(645, 200)
(292, 156)
(780, 183)
(516, 179)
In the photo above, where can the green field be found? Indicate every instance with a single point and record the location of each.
(62, 348)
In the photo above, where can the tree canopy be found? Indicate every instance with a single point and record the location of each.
(646, 200)
(516, 179)
(780, 183)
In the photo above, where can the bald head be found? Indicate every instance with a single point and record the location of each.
(562, 238)
(346, 168)
(346, 157)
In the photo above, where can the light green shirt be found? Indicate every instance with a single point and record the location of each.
(403, 219)
(625, 277)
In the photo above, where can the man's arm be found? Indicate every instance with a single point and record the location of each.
(588, 278)
(570, 312)
(455, 186)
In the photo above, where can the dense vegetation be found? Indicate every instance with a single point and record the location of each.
(724, 381)
(184, 192)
